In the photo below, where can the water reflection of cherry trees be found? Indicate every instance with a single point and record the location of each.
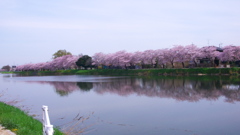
(65, 88)
(178, 88)
(61, 88)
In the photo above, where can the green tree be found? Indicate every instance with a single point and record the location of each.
(84, 61)
(62, 92)
(7, 68)
(85, 86)
(60, 53)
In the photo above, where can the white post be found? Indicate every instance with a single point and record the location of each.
(47, 127)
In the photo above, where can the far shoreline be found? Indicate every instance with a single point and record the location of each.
(137, 72)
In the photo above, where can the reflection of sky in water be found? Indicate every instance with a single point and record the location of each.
(65, 78)
(133, 110)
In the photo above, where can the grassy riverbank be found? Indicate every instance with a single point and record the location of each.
(140, 72)
(19, 122)
(7, 72)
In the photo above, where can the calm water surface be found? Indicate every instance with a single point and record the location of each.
(131, 106)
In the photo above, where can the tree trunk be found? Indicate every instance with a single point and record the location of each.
(213, 64)
(196, 65)
(163, 65)
(172, 64)
(183, 65)
(155, 65)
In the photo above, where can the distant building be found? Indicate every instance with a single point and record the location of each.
(219, 49)
(13, 68)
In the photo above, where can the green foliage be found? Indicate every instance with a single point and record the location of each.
(8, 72)
(18, 121)
(60, 53)
(85, 86)
(62, 93)
(85, 61)
(6, 68)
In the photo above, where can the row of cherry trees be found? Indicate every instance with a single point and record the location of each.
(64, 62)
(162, 57)
(159, 58)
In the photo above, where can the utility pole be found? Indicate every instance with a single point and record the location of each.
(220, 45)
(208, 41)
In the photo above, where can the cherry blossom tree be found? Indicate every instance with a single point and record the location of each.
(193, 53)
(137, 59)
(230, 53)
(108, 60)
(181, 54)
(210, 53)
(64, 62)
(117, 58)
(170, 55)
(98, 59)
(71, 62)
(121, 59)
(149, 57)
(160, 60)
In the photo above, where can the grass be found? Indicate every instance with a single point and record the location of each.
(18, 121)
(158, 72)
(140, 72)
(7, 72)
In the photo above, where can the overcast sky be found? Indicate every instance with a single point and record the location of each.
(32, 30)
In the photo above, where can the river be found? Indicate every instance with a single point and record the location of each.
(109, 105)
